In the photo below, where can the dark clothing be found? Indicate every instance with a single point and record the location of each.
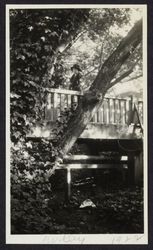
(75, 82)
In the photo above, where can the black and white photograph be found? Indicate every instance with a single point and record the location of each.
(76, 131)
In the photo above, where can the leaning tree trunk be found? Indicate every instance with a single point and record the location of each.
(92, 99)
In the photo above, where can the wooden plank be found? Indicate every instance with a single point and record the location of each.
(109, 110)
(138, 162)
(120, 111)
(69, 101)
(52, 107)
(104, 112)
(100, 115)
(64, 91)
(86, 157)
(59, 106)
(48, 108)
(111, 113)
(90, 166)
(117, 111)
(55, 104)
(140, 110)
(66, 101)
(131, 103)
(78, 93)
(95, 118)
(60, 102)
(89, 161)
(125, 111)
(114, 107)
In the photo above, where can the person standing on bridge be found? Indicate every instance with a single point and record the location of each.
(76, 77)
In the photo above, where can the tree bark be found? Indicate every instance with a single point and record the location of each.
(92, 99)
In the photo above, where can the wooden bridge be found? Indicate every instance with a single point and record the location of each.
(117, 127)
(117, 118)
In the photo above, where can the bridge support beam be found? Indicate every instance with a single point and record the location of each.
(131, 170)
(139, 169)
(68, 193)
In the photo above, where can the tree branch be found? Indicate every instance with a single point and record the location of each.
(102, 48)
(124, 75)
(121, 77)
(95, 68)
(101, 52)
(134, 77)
(69, 45)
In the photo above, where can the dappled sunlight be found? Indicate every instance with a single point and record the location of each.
(37, 132)
(124, 158)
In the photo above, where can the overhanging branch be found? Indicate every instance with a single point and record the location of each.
(114, 62)
(124, 75)
(121, 77)
(134, 78)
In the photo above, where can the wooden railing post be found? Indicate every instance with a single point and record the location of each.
(131, 103)
(125, 111)
(140, 110)
(114, 103)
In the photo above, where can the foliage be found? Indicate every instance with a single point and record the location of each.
(29, 184)
(102, 33)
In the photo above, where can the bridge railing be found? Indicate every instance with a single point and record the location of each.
(112, 111)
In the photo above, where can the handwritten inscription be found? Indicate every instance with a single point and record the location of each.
(104, 239)
(63, 239)
(129, 239)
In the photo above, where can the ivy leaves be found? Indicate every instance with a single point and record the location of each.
(35, 36)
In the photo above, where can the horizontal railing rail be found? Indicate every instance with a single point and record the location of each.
(112, 111)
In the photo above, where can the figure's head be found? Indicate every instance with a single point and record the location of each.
(76, 68)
